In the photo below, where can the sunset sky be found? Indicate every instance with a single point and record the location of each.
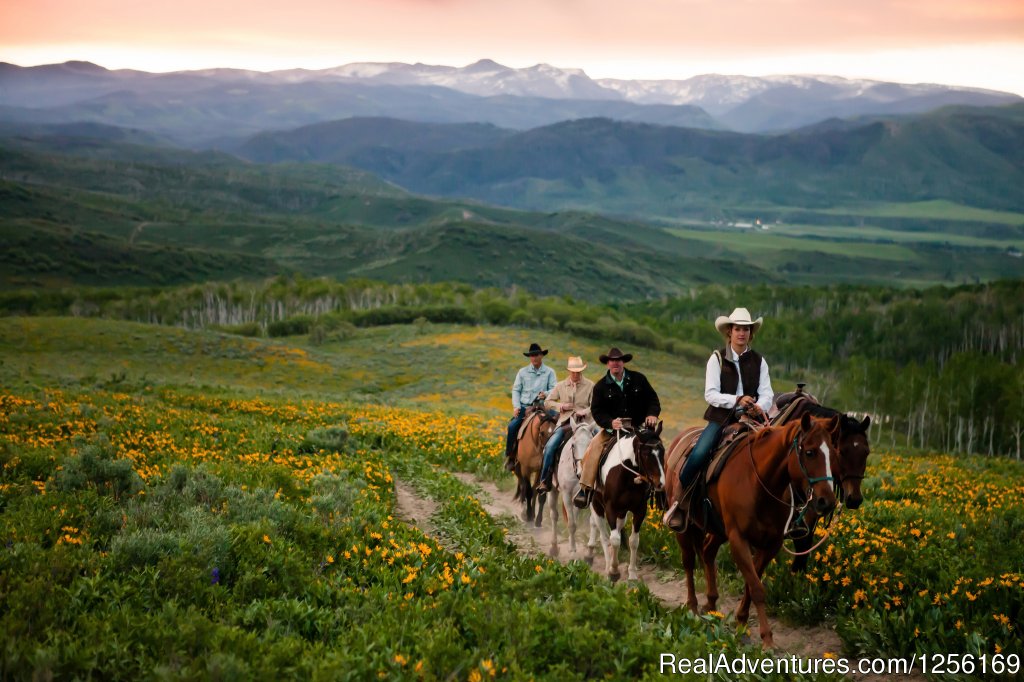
(963, 42)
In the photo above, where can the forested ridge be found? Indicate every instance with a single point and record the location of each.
(937, 367)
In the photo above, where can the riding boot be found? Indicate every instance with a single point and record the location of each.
(545, 481)
(583, 498)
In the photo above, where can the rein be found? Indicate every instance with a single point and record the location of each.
(639, 476)
(819, 543)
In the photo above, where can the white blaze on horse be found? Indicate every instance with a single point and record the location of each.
(567, 481)
(633, 472)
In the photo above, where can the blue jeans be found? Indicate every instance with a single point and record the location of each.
(553, 445)
(701, 453)
(513, 429)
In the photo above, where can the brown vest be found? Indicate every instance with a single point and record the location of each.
(750, 370)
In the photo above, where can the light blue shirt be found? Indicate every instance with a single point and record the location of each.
(529, 382)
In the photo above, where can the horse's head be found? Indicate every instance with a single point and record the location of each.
(853, 458)
(649, 452)
(582, 433)
(815, 451)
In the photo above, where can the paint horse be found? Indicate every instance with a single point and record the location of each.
(567, 481)
(750, 498)
(631, 475)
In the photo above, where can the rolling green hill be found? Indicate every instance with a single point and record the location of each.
(967, 155)
(166, 215)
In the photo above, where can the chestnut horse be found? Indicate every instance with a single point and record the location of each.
(530, 459)
(750, 495)
(632, 473)
(852, 450)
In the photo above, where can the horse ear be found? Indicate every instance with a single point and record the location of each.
(866, 423)
(805, 421)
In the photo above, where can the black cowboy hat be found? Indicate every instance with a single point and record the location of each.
(535, 350)
(616, 354)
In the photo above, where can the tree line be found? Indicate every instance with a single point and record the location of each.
(938, 368)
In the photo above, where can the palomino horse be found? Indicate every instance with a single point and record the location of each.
(529, 461)
(567, 481)
(633, 472)
(749, 496)
(852, 450)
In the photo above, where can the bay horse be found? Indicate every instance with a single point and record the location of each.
(632, 473)
(749, 497)
(530, 460)
(567, 481)
(852, 450)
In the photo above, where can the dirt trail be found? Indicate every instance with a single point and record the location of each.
(668, 586)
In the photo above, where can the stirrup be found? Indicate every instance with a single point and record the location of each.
(510, 464)
(543, 487)
(582, 498)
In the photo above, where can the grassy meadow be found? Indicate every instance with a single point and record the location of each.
(192, 504)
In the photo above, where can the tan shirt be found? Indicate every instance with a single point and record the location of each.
(579, 394)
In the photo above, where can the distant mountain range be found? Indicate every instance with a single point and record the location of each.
(199, 107)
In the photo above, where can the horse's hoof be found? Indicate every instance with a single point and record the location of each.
(634, 577)
(553, 552)
(589, 560)
(614, 577)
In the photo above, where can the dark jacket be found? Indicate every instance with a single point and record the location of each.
(750, 371)
(636, 399)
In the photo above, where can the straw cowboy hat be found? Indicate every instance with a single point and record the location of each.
(576, 364)
(738, 316)
(535, 350)
(616, 354)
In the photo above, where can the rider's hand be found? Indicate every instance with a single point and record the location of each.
(651, 421)
(565, 407)
(542, 395)
(616, 424)
(516, 413)
(746, 401)
(580, 415)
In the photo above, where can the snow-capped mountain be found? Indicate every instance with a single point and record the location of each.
(484, 91)
(486, 78)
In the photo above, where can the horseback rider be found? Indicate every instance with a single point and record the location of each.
(532, 382)
(736, 381)
(571, 398)
(620, 398)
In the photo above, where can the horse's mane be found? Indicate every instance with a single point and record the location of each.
(820, 410)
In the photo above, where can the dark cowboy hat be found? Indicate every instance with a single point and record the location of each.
(615, 354)
(535, 350)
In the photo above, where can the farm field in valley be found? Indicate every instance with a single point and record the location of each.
(193, 502)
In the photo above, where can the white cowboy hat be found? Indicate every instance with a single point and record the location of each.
(738, 316)
(576, 364)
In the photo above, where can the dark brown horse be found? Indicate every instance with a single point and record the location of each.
(632, 473)
(530, 459)
(749, 497)
(852, 450)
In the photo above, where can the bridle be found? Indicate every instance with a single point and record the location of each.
(644, 474)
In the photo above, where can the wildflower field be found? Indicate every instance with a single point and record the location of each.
(159, 527)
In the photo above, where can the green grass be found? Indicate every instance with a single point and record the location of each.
(457, 369)
(872, 237)
(752, 243)
(938, 209)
